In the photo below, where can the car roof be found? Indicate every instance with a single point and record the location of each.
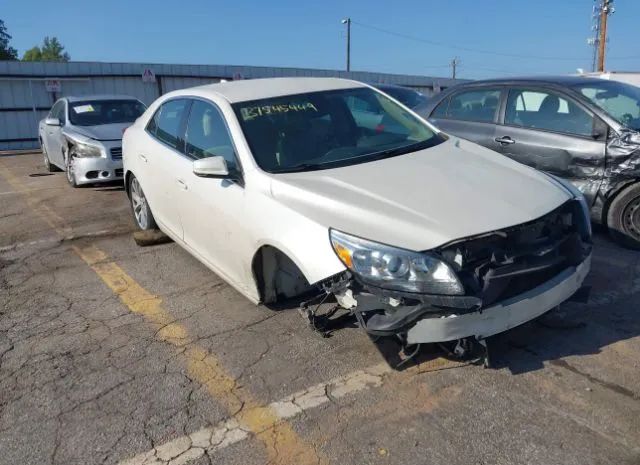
(84, 98)
(255, 89)
(564, 80)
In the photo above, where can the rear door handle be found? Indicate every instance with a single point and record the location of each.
(182, 184)
(505, 140)
(143, 158)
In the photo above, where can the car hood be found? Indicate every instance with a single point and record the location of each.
(424, 199)
(101, 132)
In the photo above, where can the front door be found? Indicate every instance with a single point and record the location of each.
(53, 134)
(212, 217)
(551, 132)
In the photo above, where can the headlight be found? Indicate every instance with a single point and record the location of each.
(86, 150)
(393, 268)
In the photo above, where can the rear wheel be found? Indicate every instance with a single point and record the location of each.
(623, 217)
(140, 207)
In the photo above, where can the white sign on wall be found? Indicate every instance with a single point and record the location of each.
(148, 75)
(53, 85)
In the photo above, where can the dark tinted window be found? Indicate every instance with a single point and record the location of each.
(474, 105)
(320, 130)
(97, 112)
(538, 109)
(165, 124)
(207, 134)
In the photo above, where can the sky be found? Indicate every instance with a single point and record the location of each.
(490, 37)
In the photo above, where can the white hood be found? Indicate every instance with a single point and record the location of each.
(421, 200)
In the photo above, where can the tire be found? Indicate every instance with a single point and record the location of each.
(50, 167)
(140, 206)
(69, 172)
(623, 217)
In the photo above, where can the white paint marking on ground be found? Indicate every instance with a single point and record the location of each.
(186, 448)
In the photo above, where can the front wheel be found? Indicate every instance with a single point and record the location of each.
(47, 163)
(70, 169)
(623, 217)
(140, 207)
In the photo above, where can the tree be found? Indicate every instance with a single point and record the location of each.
(33, 54)
(51, 50)
(6, 52)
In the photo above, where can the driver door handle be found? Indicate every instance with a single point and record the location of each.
(143, 158)
(182, 184)
(505, 140)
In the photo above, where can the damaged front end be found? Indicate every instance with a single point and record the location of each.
(483, 285)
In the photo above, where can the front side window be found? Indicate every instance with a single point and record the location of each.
(97, 112)
(207, 135)
(620, 100)
(537, 109)
(473, 105)
(166, 123)
(57, 111)
(328, 129)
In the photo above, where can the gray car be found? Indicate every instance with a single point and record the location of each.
(83, 136)
(581, 129)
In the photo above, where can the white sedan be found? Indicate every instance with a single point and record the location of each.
(291, 185)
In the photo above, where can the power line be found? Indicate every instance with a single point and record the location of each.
(469, 49)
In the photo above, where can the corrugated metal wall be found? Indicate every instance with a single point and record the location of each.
(24, 99)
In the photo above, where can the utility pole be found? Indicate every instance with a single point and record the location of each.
(454, 63)
(347, 21)
(606, 8)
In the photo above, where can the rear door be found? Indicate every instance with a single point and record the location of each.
(550, 131)
(471, 114)
(161, 161)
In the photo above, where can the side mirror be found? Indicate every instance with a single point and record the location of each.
(211, 167)
(52, 122)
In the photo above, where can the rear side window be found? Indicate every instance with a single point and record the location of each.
(548, 111)
(166, 123)
(472, 105)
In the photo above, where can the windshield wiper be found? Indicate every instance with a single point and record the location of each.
(300, 167)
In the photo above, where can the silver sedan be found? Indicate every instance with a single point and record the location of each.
(83, 136)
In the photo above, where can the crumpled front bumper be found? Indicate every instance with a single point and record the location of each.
(99, 169)
(503, 315)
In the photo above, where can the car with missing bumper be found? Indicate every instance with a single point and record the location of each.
(282, 187)
(83, 136)
(584, 130)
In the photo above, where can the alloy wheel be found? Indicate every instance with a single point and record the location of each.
(139, 204)
(631, 218)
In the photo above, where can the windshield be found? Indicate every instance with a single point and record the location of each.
(96, 112)
(408, 97)
(329, 129)
(621, 101)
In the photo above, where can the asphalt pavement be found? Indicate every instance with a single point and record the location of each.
(111, 353)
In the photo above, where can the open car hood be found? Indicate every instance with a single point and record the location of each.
(424, 199)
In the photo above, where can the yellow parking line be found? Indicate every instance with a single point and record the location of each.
(282, 444)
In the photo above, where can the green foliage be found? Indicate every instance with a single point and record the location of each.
(6, 52)
(33, 54)
(51, 50)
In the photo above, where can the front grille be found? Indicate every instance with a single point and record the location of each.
(506, 263)
(119, 172)
(116, 153)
